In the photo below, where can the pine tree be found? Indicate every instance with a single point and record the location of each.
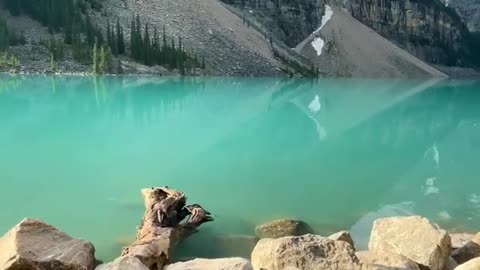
(156, 47)
(138, 39)
(52, 46)
(146, 47)
(165, 59)
(4, 35)
(173, 56)
(96, 59)
(89, 31)
(112, 39)
(53, 65)
(133, 49)
(68, 33)
(180, 57)
(102, 64)
(120, 42)
(105, 60)
(109, 34)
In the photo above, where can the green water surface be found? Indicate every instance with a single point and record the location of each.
(338, 154)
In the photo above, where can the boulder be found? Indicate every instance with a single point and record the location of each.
(283, 227)
(123, 263)
(343, 236)
(212, 264)
(383, 260)
(413, 237)
(33, 244)
(460, 239)
(306, 252)
(468, 251)
(470, 265)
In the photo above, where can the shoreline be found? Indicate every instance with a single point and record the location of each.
(278, 244)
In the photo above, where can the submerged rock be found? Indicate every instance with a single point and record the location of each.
(470, 265)
(33, 244)
(123, 263)
(306, 252)
(413, 237)
(236, 245)
(283, 227)
(468, 251)
(212, 264)
(384, 260)
(343, 236)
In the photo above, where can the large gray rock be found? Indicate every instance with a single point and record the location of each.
(283, 227)
(123, 263)
(212, 264)
(343, 236)
(413, 237)
(306, 252)
(470, 265)
(384, 260)
(468, 251)
(33, 244)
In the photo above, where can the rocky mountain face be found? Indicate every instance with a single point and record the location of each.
(290, 21)
(426, 28)
(469, 10)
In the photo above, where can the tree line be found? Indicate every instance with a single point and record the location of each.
(71, 19)
(160, 50)
(9, 37)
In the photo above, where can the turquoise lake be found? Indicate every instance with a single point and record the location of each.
(336, 153)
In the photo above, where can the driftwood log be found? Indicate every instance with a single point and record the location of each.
(163, 226)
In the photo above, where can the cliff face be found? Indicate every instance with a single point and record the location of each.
(425, 28)
(469, 10)
(290, 21)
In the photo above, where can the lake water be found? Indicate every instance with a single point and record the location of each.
(338, 154)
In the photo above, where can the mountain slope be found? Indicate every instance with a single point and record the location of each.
(352, 49)
(287, 20)
(230, 47)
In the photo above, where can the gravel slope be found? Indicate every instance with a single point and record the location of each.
(206, 26)
(353, 50)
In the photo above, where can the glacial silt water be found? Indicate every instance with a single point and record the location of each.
(75, 152)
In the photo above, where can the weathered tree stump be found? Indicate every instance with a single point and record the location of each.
(162, 227)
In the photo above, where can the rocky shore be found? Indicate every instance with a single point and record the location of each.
(396, 243)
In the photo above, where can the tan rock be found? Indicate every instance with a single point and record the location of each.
(283, 227)
(306, 252)
(460, 239)
(413, 237)
(123, 263)
(470, 265)
(212, 264)
(343, 236)
(468, 251)
(33, 244)
(381, 259)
